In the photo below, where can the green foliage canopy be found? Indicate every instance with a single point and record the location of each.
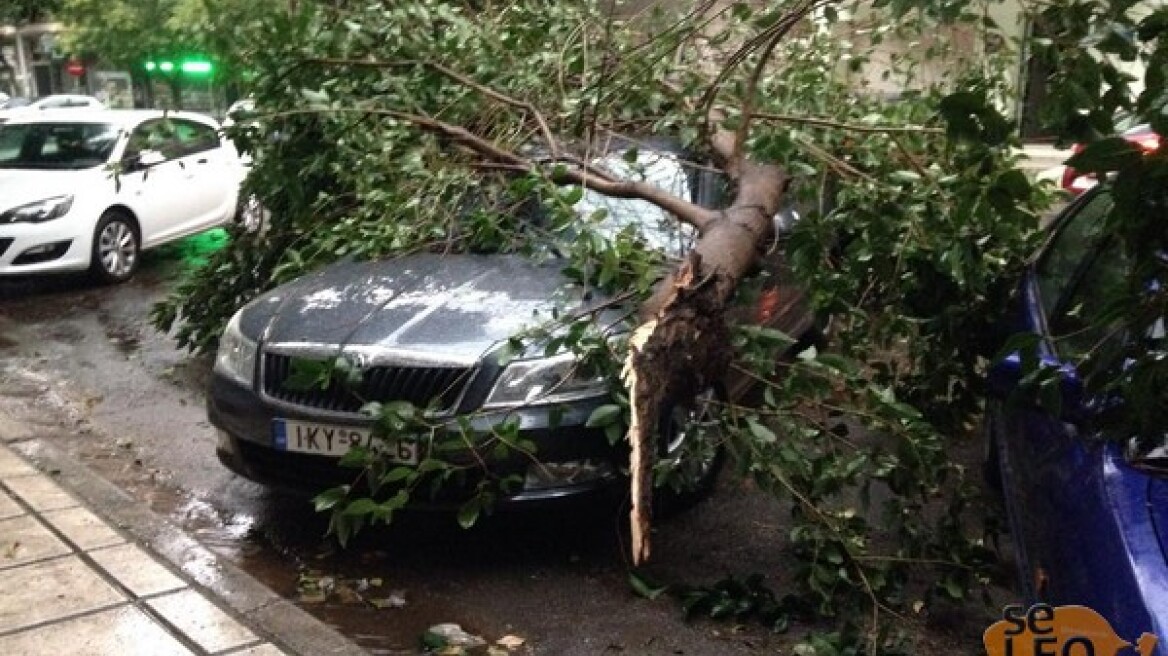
(27, 11)
(126, 33)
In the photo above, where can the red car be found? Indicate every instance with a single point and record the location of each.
(1076, 183)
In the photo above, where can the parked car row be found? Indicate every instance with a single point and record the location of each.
(90, 189)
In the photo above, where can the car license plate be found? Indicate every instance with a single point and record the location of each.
(336, 440)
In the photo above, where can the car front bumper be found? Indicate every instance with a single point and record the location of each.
(570, 460)
(54, 246)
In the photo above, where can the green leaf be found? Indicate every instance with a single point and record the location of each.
(761, 432)
(954, 589)
(433, 641)
(604, 415)
(363, 506)
(644, 588)
(511, 349)
(315, 96)
(308, 374)
(397, 474)
(468, 514)
(330, 498)
(1111, 154)
(355, 457)
(403, 410)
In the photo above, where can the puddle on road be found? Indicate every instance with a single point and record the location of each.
(441, 572)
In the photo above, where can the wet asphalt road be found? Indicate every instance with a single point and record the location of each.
(84, 359)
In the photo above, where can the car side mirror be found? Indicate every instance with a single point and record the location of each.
(144, 160)
(1050, 384)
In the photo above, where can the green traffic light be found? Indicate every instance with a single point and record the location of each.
(196, 67)
(192, 67)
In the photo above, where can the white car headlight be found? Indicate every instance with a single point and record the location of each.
(40, 211)
(544, 380)
(237, 354)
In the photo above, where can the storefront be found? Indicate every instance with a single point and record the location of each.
(32, 65)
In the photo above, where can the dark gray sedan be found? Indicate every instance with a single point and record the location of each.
(430, 329)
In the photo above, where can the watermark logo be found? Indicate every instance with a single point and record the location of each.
(1044, 630)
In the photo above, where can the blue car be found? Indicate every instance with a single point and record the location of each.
(1088, 515)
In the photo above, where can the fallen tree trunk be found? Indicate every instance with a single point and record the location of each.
(682, 346)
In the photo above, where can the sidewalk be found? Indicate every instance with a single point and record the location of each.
(73, 582)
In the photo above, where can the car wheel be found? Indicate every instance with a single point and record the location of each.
(691, 451)
(251, 215)
(115, 247)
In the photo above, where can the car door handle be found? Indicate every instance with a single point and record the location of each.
(201, 161)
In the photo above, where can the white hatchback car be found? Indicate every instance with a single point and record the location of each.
(89, 190)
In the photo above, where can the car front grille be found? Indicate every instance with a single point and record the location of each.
(434, 387)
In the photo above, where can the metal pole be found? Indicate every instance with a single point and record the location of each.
(22, 74)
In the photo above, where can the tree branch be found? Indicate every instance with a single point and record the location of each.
(850, 127)
(780, 27)
(783, 28)
(589, 177)
(464, 80)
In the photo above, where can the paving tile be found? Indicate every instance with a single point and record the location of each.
(9, 507)
(23, 539)
(83, 528)
(135, 569)
(265, 649)
(124, 631)
(13, 465)
(40, 492)
(13, 431)
(49, 590)
(202, 621)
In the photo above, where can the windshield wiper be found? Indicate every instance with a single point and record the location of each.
(1154, 465)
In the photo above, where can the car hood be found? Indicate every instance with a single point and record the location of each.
(449, 308)
(20, 186)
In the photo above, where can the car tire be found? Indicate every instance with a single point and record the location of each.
(116, 247)
(696, 475)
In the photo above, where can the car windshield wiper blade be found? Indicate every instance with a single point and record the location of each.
(1157, 465)
(26, 165)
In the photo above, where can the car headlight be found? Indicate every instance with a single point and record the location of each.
(40, 211)
(545, 380)
(237, 354)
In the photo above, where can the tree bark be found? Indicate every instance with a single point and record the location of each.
(682, 346)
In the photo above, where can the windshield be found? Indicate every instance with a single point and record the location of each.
(660, 230)
(57, 146)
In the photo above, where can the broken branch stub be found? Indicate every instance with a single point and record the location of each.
(683, 346)
(682, 351)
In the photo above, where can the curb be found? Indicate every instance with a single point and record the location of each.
(268, 614)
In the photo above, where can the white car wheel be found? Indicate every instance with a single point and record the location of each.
(115, 247)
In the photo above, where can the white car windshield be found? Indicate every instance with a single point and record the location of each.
(659, 229)
(61, 146)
